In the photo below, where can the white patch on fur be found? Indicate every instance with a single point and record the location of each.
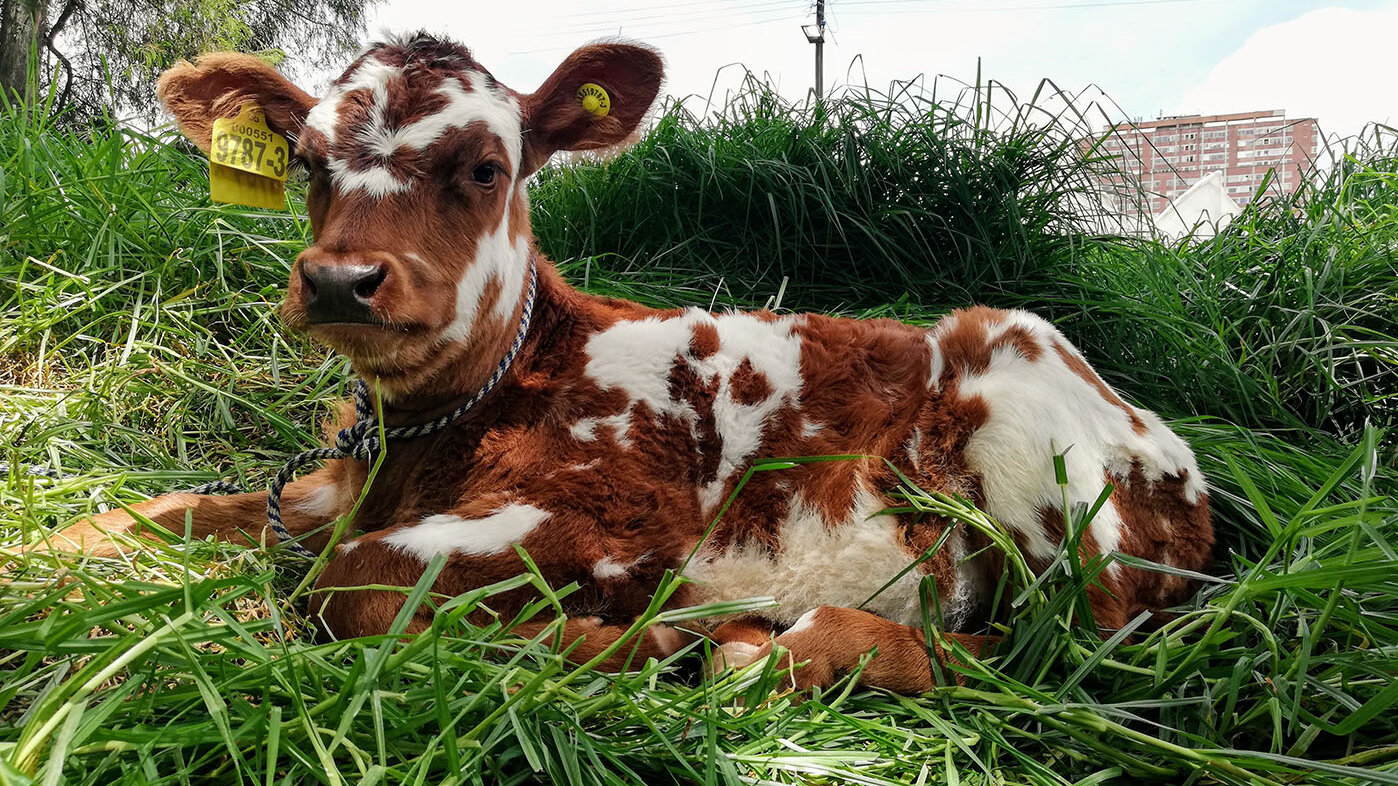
(585, 430)
(348, 546)
(810, 428)
(321, 501)
(667, 639)
(821, 563)
(969, 591)
(448, 534)
(608, 569)
(734, 655)
(372, 75)
(913, 447)
(496, 257)
(802, 622)
(638, 357)
(1041, 408)
(478, 103)
(937, 362)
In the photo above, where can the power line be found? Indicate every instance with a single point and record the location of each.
(735, 5)
(966, 8)
(562, 37)
(693, 22)
(700, 11)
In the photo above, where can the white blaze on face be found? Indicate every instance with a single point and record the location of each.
(470, 99)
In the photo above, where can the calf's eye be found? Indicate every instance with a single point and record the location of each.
(484, 174)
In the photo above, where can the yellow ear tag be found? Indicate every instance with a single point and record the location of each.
(594, 100)
(248, 161)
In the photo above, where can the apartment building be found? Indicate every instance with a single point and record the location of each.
(1172, 154)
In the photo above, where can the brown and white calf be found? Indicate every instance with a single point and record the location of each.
(620, 430)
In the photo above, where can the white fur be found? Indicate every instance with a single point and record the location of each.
(774, 351)
(448, 534)
(585, 430)
(478, 103)
(607, 569)
(496, 258)
(820, 564)
(935, 366)
(322, 501)
(638, 356)
(1040, 408)
(802, 622)
(970, 588)
(372, 75)
(913, 447)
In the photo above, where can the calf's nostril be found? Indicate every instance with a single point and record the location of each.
(308, 284)
(366, 288)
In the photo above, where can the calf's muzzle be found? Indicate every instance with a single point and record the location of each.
(341, 293)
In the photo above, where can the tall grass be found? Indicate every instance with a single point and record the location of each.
(139, 353)
(853, 202)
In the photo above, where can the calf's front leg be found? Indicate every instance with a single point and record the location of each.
(830, 641)
(307, 503)
(364, 586)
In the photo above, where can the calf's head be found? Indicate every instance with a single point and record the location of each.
(417, 159)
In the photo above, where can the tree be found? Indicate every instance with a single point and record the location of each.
(97, 54)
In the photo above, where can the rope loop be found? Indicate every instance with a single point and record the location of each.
(359, 441)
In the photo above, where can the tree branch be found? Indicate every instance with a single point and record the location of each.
(69, 8)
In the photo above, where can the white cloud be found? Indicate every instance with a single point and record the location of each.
(1333, 64)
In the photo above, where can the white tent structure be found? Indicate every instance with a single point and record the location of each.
(1201, 211)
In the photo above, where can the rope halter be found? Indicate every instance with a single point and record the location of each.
(361, 440)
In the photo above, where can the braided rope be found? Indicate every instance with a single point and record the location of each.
(361, 440)
(216, 487)
(35, 471)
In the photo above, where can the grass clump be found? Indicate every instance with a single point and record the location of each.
(139, 353)
(851, 203)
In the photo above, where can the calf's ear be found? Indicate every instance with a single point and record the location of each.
(555, 118)
(220, 84)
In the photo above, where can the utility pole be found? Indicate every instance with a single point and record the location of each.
(818, 38)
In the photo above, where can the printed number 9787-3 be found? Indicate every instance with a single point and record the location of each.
(245, 153)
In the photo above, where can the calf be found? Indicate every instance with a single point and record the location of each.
(616, 432)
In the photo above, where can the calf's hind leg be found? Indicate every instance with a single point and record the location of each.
(831, 641)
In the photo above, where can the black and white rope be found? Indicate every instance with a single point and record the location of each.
(216, 487)
(361, 440)
(35, 471)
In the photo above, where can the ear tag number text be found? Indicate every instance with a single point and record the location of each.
(248, 161)
(594, 100)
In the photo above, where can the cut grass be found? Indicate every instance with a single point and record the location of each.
(140, 353)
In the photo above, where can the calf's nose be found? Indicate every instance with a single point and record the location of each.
(341, 292)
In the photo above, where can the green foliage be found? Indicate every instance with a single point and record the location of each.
(102, 57)
(857, 202)
(139, 352)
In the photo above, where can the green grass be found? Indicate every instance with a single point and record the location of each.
(140, 353)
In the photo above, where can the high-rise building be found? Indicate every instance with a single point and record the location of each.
(1171, 154)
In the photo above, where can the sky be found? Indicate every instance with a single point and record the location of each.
(1138, 58)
